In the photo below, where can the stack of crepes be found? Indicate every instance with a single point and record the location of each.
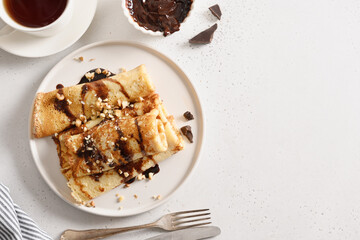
(107, 132)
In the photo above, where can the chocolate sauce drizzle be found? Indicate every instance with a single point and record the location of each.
(123, 91)
(99, 87)
(96, 176)
(140, 138)
(121, 145)
(91, 154)
(97, 76)
(155, 169)
(63, 105)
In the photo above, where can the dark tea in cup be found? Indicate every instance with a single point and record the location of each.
(35, 13)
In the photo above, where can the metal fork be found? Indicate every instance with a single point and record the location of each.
(169, 222)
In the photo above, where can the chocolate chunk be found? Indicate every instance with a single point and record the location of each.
(215, 10)
(186, 130)
(204, 37)
(188, 115)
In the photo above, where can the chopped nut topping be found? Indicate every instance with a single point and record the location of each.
(99, 100)
(78, 123)
(108, 106)
(126, 185)
(82, 102)
(60, 96)
(92, 203)
(91, 59)
(80, 59)
(90, 75)
(120, 198)
(98, 70)
(102, 115)
(126, 174)
(69, 102)
(119, 102)
(98, 105)
(85, 129)
(105, 72)
(140, 177)
(56, 134)
(124, 104)
(118, 113)
(120, 172)
(97, 161)
(135, 196)
(151, 175)
(141, 99)
(158, 197)
(123, 138)
(88, 170)
(89, 149)
(82, 117)
(131, 105)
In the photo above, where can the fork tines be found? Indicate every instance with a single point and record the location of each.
(181, 220)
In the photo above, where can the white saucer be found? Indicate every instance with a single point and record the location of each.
(25, 45)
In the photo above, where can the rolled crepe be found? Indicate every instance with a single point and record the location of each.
(89, 187)
(68, 142)
(56, 111)
(114, 143)
(86, 188)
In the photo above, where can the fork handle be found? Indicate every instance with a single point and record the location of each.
(93, 234)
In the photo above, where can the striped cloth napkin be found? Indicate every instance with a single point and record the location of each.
(15, 224)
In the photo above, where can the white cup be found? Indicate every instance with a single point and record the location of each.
(46, 31)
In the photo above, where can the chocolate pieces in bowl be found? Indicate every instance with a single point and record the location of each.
(153, 16)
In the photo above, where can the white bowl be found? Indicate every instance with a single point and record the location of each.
(146, 31)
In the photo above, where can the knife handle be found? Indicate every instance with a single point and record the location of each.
(93, 234)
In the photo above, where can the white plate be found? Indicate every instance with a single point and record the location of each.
(178, 94)
(25, 45)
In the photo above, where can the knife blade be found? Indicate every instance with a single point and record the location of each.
(194, 233)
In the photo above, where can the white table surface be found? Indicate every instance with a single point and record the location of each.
(280, 85)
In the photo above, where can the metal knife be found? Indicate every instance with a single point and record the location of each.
(194, 233)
